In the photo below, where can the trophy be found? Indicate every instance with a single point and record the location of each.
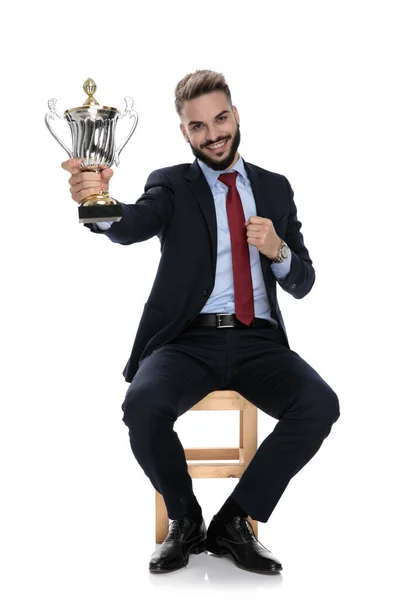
(93, 141)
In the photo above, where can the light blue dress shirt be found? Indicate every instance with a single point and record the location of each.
(222, 298)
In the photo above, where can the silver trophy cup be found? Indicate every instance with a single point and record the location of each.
(93, 141)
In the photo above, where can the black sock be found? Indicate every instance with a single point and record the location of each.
(194, 511)
(228, 511)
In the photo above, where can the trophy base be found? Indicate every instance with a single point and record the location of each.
(100, 213)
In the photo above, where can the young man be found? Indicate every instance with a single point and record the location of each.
(228, 232)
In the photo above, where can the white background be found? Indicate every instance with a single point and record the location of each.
(316, 86)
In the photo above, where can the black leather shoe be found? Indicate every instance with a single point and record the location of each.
(185, 536)
(237, 538)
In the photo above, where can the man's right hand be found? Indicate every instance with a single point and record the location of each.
(85, 183)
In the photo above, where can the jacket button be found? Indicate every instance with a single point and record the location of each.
(207, 293)
(293, 286)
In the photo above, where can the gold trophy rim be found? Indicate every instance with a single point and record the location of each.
(96, 107)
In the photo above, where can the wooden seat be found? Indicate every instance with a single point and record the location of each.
(219, 400)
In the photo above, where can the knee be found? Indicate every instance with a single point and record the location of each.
(135, 408)
(333, 407)
(144, 407)
(327, 408)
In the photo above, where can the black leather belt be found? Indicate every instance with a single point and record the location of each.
(221, 320)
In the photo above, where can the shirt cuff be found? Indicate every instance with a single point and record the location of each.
(104, 225)
(281, 270)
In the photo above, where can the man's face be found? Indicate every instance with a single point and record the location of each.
(208, 122)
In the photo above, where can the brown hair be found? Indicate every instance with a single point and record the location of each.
(198, 83)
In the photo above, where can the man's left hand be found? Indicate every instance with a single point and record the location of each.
(261, 233)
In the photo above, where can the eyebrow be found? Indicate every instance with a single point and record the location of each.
(200, 122)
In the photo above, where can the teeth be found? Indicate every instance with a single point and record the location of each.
(219, 145)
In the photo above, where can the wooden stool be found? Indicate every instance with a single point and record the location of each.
(219, 400)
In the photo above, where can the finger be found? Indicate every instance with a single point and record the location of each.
(80, 196)
(73, 165)
(254, 221)
(254, 234)
(87, 185)
(85, 176)
(257, 220)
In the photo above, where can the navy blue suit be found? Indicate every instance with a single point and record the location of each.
(175, 197)
(172, 366)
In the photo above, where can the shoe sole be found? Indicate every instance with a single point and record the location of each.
(218, 551)
(201, 547)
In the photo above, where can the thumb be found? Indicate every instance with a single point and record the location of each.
(107, 174)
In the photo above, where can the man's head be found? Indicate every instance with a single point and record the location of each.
(203, 103)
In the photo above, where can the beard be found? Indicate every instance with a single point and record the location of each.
(215, 163)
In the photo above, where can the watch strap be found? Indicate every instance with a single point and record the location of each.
(280, 258)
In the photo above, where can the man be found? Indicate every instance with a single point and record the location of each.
(228, 232)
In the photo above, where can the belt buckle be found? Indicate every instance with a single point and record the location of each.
(219, 315)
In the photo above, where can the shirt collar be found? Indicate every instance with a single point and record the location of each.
(212, 176)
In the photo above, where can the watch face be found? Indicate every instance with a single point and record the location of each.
(285, 251)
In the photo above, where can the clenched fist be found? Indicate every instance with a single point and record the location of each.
(85, 183)
(261, 233)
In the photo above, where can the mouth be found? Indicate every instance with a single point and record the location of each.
(218, 147)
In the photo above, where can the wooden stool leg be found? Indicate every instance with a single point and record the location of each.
(162, 520)
(248, 441)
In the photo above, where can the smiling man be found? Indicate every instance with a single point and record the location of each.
(229, 233)
(214, 143)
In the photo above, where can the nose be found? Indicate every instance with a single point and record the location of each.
(213, 133)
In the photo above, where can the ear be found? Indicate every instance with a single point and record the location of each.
(235, 112)
(182, 128)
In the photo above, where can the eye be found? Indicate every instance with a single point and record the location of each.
(197, 127)
(222, 118)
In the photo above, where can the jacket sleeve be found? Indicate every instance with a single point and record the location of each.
(301, 277)
(147, 217)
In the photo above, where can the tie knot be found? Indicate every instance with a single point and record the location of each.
(229, 178)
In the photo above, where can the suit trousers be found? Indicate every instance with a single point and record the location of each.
(258, 364)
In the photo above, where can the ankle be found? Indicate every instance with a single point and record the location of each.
(194, 511)
(229, 511)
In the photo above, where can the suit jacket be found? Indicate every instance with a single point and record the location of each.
(178, 207)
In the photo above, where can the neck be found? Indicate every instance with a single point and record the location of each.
(234, 161)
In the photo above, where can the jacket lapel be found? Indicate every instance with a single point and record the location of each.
(267, 208)
(262, 197)
(198, 185)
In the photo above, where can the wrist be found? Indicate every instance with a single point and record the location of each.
(277, 249)
(282, 253)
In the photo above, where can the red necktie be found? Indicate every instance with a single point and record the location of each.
(242, 282)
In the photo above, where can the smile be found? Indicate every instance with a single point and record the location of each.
(218, 145)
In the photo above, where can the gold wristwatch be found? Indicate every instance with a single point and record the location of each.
(283, 253)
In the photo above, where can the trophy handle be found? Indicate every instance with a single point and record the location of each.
(52, 115)
(132, 115)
